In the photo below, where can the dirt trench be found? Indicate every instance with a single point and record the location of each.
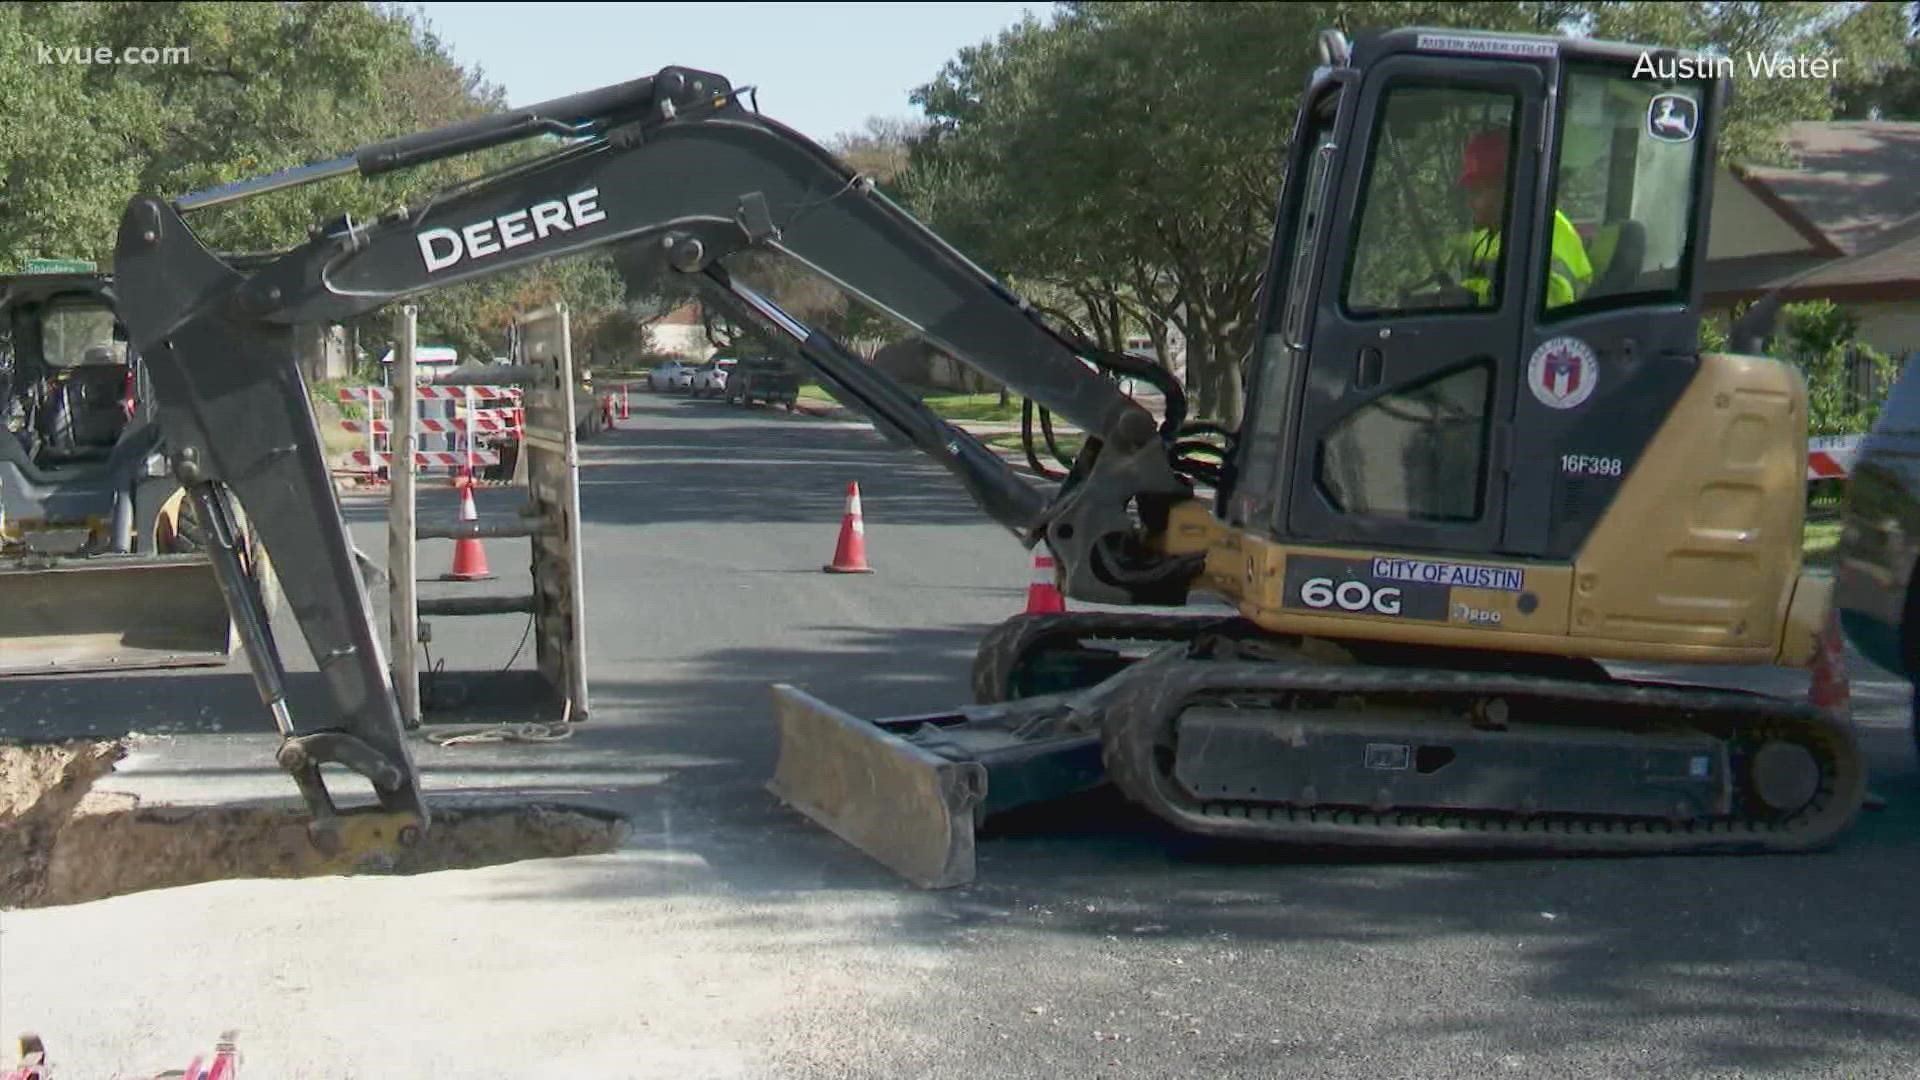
(61, 842)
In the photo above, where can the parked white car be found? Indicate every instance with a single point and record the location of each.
(710, 378)
(670, 376)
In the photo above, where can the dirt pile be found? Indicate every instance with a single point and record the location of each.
(40, 788)
(61, 843)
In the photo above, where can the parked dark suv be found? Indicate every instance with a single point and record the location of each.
(1874, 585)
(764, 378)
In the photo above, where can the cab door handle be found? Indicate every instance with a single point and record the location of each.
(1368, 368)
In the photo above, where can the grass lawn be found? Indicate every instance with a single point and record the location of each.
(974, 407)
(1822, 537)
(1069, 444)
(337, 441)
(979, 407)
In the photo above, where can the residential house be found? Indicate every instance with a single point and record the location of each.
(1841, 224)
(680, 334)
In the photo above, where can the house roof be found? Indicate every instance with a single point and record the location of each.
(1886, 270)
(1891, 257)
(1854, 178)
(1853, 196)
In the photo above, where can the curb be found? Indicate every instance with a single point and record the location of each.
(825, 410)
(353, 484)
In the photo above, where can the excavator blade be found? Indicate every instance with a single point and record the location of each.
(111, 613)
(909, 809)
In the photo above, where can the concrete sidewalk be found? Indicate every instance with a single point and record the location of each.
(644, 963)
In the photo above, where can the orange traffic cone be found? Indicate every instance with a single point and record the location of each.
(1831, 689)
(850, 554)
(623, 401)
(1043, 595)
(469, 556)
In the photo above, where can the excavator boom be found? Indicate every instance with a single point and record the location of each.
(672, 174)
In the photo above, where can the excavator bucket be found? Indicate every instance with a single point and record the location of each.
(111, 613)
(908, 808)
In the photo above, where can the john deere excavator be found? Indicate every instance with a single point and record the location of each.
(1483, 454)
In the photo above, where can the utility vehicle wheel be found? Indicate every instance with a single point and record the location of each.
(177, 530)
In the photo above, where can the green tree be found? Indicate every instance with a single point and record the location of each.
(268, 86)
(1891, 94)
(1864, 38)
(620, 339)
(1841, 371)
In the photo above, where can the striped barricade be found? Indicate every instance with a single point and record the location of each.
(503, 420)
(466, 431)
(427, 459)
(1831, 457)
(433, 393)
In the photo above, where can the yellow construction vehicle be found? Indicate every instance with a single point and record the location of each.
(1483, 454)
(100, 560)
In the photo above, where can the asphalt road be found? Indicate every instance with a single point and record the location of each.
(732, 938)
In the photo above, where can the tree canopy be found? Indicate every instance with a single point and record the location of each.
(264, 87)
(1117, 162)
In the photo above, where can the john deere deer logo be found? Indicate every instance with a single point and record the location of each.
(1672, 118)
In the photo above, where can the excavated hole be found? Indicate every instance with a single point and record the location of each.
(62, 843)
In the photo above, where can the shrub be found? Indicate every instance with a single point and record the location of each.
(1847, 379)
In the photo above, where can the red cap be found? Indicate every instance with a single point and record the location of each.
(1485, 159)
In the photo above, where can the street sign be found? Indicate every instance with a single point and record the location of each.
(60, 266)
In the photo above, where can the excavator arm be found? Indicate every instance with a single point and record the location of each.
(673, 174)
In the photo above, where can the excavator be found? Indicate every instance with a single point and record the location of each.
(1460, 490)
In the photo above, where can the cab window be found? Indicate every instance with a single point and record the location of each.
(1417, 453)
(1438, 187)
(72, 335)
(1628, 157)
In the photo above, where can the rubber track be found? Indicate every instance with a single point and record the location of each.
(1142, 717)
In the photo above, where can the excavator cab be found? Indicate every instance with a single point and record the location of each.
(1478, 411)
(69, 379)
(1483, 302)
(99, 562)
(78, 380)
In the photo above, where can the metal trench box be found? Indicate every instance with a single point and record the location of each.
(547, 468)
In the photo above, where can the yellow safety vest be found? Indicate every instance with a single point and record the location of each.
(1569, 276)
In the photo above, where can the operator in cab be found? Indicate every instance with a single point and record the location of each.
(1483, 176)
